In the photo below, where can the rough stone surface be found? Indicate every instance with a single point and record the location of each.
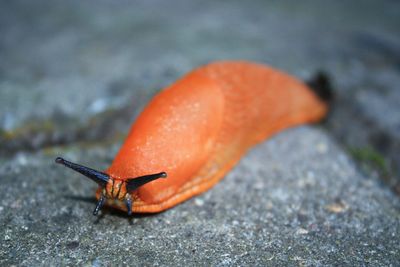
(73, 75)
(296, 199)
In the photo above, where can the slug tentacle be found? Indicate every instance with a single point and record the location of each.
(99, 205)
(128, 202)
(135, 183)
(100, 178)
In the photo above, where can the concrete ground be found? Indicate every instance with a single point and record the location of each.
(74, 75)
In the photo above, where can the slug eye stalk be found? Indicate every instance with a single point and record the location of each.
(100, 178)
(135, 183)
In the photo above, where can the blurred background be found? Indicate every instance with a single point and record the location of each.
(74, 74)
(70, 70)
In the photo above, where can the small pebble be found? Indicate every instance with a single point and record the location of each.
(199, 202)
(301, 231)
(322, 148)
(338, 207)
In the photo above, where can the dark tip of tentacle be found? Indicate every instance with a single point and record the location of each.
(99, 177)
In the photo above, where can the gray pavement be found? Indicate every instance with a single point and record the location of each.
(74, 75)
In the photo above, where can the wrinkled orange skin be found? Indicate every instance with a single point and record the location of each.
(198, 128)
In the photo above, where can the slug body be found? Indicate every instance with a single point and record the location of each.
(198, 128)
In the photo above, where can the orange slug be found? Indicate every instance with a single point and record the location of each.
(196, 130)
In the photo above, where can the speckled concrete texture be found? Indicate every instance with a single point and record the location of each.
(73, 76)
(296, 199)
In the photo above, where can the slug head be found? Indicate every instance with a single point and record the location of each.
(112, 188)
